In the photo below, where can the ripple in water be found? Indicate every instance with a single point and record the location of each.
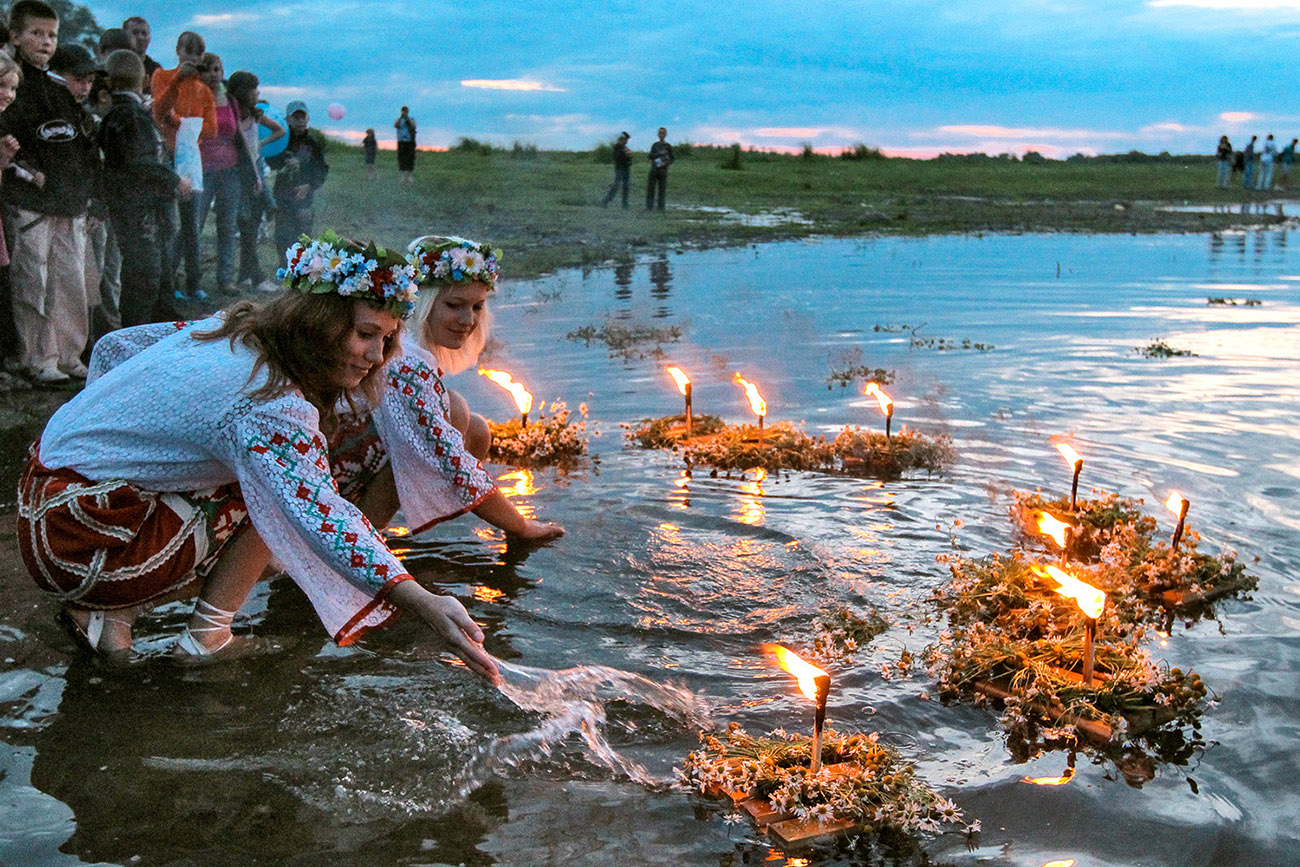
(572, 702)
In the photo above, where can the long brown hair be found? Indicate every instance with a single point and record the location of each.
(298, 338)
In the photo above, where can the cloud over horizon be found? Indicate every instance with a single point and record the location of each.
(918, 76)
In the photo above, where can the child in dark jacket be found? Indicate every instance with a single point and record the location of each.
(300, 172)
(45, 203)
(139, 187)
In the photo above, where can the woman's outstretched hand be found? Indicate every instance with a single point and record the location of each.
(538, 531)
(452, 623)
(500, 512)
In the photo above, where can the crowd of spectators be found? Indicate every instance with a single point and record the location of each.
(112, 163)
(1262, 166)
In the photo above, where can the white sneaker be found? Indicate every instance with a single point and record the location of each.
(50, 376)
(74, 369)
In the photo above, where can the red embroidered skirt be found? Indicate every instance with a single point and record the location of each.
(112, 545)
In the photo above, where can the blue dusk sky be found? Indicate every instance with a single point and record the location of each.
(912, 77)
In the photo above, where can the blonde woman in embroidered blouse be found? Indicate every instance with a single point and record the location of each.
(448, 331)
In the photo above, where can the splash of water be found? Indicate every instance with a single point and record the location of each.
(572, 702)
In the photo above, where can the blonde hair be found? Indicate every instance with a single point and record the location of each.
(9, 66)
(449, 360)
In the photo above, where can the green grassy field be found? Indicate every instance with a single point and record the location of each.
(544, 208)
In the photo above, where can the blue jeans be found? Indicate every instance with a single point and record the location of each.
(223, 187)
(1248, 175)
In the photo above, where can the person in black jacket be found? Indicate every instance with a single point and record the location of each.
(139, 186)
(661, 157)
(46, 201)
(300, 172)
(622, 170)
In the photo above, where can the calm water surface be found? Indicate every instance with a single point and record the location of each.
(320, 755)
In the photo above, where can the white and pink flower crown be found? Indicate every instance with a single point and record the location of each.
(451, 260)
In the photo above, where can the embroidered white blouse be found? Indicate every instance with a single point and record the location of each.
(166, 412)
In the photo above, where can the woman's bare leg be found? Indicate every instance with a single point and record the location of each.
(237, 569)
(472, 426)
(379, 500)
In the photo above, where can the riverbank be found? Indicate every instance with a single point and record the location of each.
(544, 208)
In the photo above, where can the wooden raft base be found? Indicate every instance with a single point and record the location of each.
(1097, 732)
(783, 825)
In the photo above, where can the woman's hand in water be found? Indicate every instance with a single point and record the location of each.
(538, 531)
(449, 619)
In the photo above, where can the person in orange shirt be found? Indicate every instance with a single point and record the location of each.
(179, 93)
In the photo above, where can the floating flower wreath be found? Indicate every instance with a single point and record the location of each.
(381, 277)
(439, 259)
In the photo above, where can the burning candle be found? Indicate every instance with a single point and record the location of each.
(684, 386)
(815, 684)
(523, 400)
(886, 404)
(1059, 531)
(1178, 505)
(1090, 600)
(1072, 458)
(756, 403)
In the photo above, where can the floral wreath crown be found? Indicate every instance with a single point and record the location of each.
(384, 278)
(451, 260)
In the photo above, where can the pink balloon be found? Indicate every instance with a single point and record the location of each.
(336, 111)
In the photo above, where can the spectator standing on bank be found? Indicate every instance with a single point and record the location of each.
(140, 190)
(300, 171)
(1248, 164)
(179, 94)
(9, 78)
(242, 88)
(137, 30)
(1266, 157)
(1286, 158)
(45, 204)
(405, 126)
(111, 40)
(221, 186)
(1224, 155)
(370, 148)
(622, 170)
(661, 157)
(74, 65)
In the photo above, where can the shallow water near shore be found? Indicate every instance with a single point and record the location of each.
(644, 622)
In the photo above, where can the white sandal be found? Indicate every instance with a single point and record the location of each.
(217, 620)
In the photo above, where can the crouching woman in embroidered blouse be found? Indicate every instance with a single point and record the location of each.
(423, 449)
(188, 461)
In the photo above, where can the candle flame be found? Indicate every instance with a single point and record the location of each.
(1050, 526)
(1050, 781)
(1071, 456)
(756, 403)
(886, 403)
(523, 400)
(1175, 503)
(804, 672)
(1089, 599)
(682, 379)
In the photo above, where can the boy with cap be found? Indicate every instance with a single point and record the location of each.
(79, 72)
(300, 172)
(46, 202)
